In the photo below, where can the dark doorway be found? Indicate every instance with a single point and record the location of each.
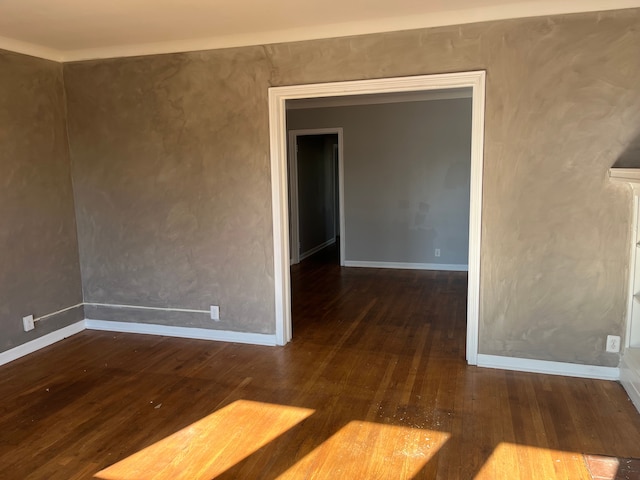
(314, 196)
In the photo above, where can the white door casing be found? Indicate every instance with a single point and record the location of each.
(279, 188)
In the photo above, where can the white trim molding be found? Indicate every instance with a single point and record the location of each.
(627, 373)
(633, 272)
(630, 375)
(306, 103)
(278, 97)
(141, 328)
(182, 332)
(630, 176)
(548, 367)
(283, 32)
(445, 267)
(41, 342)
(31, 49)
(315, 250)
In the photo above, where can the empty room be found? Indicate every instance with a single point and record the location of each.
(452, 294)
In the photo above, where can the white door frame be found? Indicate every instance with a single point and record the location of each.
(279, 194)
(293, 188)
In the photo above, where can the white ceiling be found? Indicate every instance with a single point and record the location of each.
(66, 30)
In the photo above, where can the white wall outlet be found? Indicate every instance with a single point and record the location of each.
(437, 252)
(613, 343)
(28, 323)
(215, 313)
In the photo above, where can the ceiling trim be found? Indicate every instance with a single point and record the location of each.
(31, 49)
(409, 22)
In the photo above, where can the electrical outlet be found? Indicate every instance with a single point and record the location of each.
(28, 323)
(613, 343)
(215, 313)
(437, 252)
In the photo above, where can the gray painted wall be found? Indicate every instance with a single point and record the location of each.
(317, 205)
(39, 266)
(172, 179)
(406, 178)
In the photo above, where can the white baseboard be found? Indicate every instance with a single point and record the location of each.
(143, 328)
(182, 332)
(630, 375)
(551, 368)
(308, 253)
(40, 342)
(449, 267)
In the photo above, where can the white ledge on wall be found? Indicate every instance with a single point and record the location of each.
(630, 176)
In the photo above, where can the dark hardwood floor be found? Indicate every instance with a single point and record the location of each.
(373, 386)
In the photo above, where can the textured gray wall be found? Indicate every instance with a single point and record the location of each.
(171, 176)
(171, 171)
(39, 266)
(406, 178)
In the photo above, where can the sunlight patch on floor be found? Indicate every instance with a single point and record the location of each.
(209, 446)
(510, 460)
(370, 450)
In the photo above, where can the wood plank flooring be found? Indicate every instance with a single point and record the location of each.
(373, 386)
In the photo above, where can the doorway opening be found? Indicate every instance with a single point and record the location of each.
(278, 97)
(316, 213)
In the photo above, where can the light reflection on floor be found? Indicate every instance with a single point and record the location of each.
(370, 450)
(213, 445)
(523, 461)
(208, 447)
